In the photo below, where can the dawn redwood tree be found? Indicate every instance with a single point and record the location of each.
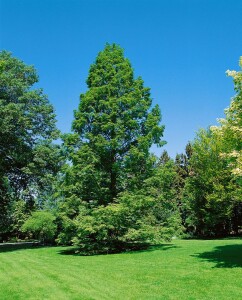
(117, 196)
(114, 128)
(28, 158)
(134, 220)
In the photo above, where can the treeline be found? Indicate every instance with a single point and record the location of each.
(101, 189)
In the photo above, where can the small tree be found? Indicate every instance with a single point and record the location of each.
(41, 226)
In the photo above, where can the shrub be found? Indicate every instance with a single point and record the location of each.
(41, 226)
(134, 221)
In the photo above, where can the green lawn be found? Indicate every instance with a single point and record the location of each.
(183, 269)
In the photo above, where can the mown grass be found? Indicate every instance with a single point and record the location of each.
(183, 269)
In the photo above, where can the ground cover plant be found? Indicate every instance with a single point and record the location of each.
(182, 269)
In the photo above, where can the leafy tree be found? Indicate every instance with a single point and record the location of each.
(134, 219)
(182, 169)
(162, 187)
(211, 187)
(19, 214)
(27, 128)
(164, 158)
(114, 128)
(214, 186)
(231, 127)
(40, 225)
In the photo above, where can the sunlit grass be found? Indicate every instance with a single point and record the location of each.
(186, 269)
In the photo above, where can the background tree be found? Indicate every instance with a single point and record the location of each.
(182, 169)
(164, 158)
(211, 188)
(214, 186)
(40, 225)
(27, 128)
(231, 127)
(230, 132)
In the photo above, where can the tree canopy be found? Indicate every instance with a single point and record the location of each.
(106, 205)
(103, 190)
(114, 128)
(214, 187)
(27, 129)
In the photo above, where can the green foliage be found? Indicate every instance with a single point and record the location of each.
(133, 220)
(164, 158)
(114, 128)
(67, 229)
(40, 225)
(28, 159)
(19, 214)
(111, 194)
(231, 127)
(182, 168)
(211, 187)
(115, 197)
(214, 186)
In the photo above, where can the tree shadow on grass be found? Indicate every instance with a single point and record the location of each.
(228, 256)
(18, 246)
(145, 248)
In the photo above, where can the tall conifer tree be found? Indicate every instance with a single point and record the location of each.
(114, 128)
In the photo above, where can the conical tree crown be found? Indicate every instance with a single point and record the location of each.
(116, 122)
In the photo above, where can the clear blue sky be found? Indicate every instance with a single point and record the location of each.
(180, 48)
